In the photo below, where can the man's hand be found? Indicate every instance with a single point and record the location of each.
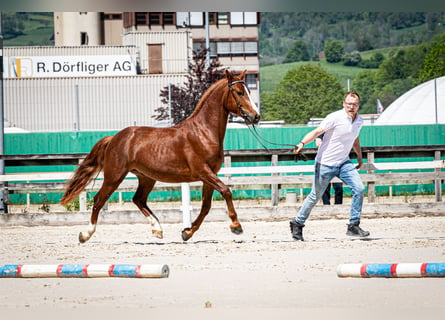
(298, 148)
(359, 165)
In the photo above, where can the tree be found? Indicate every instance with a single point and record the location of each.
(334, 51)
(185, 98)
(352, 59)
(305, 92)
(365, 83)
(434, 62)
(372, 63)
(298, 52)
(13, 24)
(405, 64)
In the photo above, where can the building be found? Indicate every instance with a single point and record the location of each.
(106, 70)
(423, 104)
(232, 37)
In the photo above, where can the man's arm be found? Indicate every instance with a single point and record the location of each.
(358, 150)
(308, 138)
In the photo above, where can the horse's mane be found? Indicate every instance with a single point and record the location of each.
(205, 96)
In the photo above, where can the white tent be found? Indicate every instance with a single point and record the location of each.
(424, 104)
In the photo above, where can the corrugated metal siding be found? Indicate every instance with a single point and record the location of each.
(69, 51)
(176, 49)
(104, 103)
(83, 141)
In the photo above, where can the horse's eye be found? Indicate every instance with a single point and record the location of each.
(240, 93)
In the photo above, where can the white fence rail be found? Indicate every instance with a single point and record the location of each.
(262, 177)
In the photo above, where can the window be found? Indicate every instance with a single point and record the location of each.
(237, 48)
(223, 48)
(112, 16)
(251, 81)
(223, 18)
(83, 38)
(218, 18)
(250, 18)
(141, 18)
(168, 18)
(189, 19)
(243, 18)
(251, 48)
(197, 46)
(196, 19)
(154, 18)
(236, 18)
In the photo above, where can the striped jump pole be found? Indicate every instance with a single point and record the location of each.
(391, 270)
(84, 271)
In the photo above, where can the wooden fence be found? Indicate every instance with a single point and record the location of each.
(406, 169)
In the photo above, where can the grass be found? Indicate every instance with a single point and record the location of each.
(272, 75)
(37, 32)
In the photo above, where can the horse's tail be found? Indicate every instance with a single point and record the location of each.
(90, 166)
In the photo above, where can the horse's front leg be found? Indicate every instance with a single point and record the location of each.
(224, 190)
(207, 193)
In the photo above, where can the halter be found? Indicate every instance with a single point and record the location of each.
(240, 107)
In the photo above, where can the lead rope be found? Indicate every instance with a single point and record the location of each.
(299, 156)
(258, 137)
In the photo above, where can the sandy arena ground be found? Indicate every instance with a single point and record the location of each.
(260, 274)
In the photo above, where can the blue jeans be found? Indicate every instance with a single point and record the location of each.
(323, 175)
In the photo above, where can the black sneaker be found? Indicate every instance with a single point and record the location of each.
(296, 230)
(355, 231)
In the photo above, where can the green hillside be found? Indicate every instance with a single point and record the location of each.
(271, 75)
(28, 29)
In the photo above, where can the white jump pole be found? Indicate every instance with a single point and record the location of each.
(84, 271)
(186, 207)
(391, 270)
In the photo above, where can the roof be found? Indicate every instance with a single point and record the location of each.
(424, 104)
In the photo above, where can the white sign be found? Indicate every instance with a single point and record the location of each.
(72, 66)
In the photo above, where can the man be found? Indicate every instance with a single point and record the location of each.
(338, 186)
(341, 129)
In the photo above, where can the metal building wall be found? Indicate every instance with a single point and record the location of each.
(28, 51)
(176, 49)
(101, 103)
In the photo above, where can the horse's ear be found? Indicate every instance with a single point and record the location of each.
(243, 74)
(229, 75)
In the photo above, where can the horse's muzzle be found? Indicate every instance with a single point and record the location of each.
(252, 119)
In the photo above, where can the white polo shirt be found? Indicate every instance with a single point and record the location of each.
(340, 134)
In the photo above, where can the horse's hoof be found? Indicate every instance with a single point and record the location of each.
(236, 230)
(186, 234)
(81, 238)
(158, 234)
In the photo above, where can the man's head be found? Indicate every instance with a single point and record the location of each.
(351, 103)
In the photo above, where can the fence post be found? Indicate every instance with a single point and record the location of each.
(83, 201)
(186, 207)
(437, 182)
(371, 184)
(227, 164)
(275, 188)
(82, 197)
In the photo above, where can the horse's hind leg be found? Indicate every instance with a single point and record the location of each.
(207, 193)
(140, 200)
(99, 200)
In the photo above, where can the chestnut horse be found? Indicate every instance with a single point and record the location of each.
(189, 151)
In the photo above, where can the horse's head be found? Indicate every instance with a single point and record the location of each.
(239, 100)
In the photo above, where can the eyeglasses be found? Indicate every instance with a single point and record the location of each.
(353, 105)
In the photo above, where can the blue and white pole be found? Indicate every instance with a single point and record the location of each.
(83, 271)
(391, 270)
